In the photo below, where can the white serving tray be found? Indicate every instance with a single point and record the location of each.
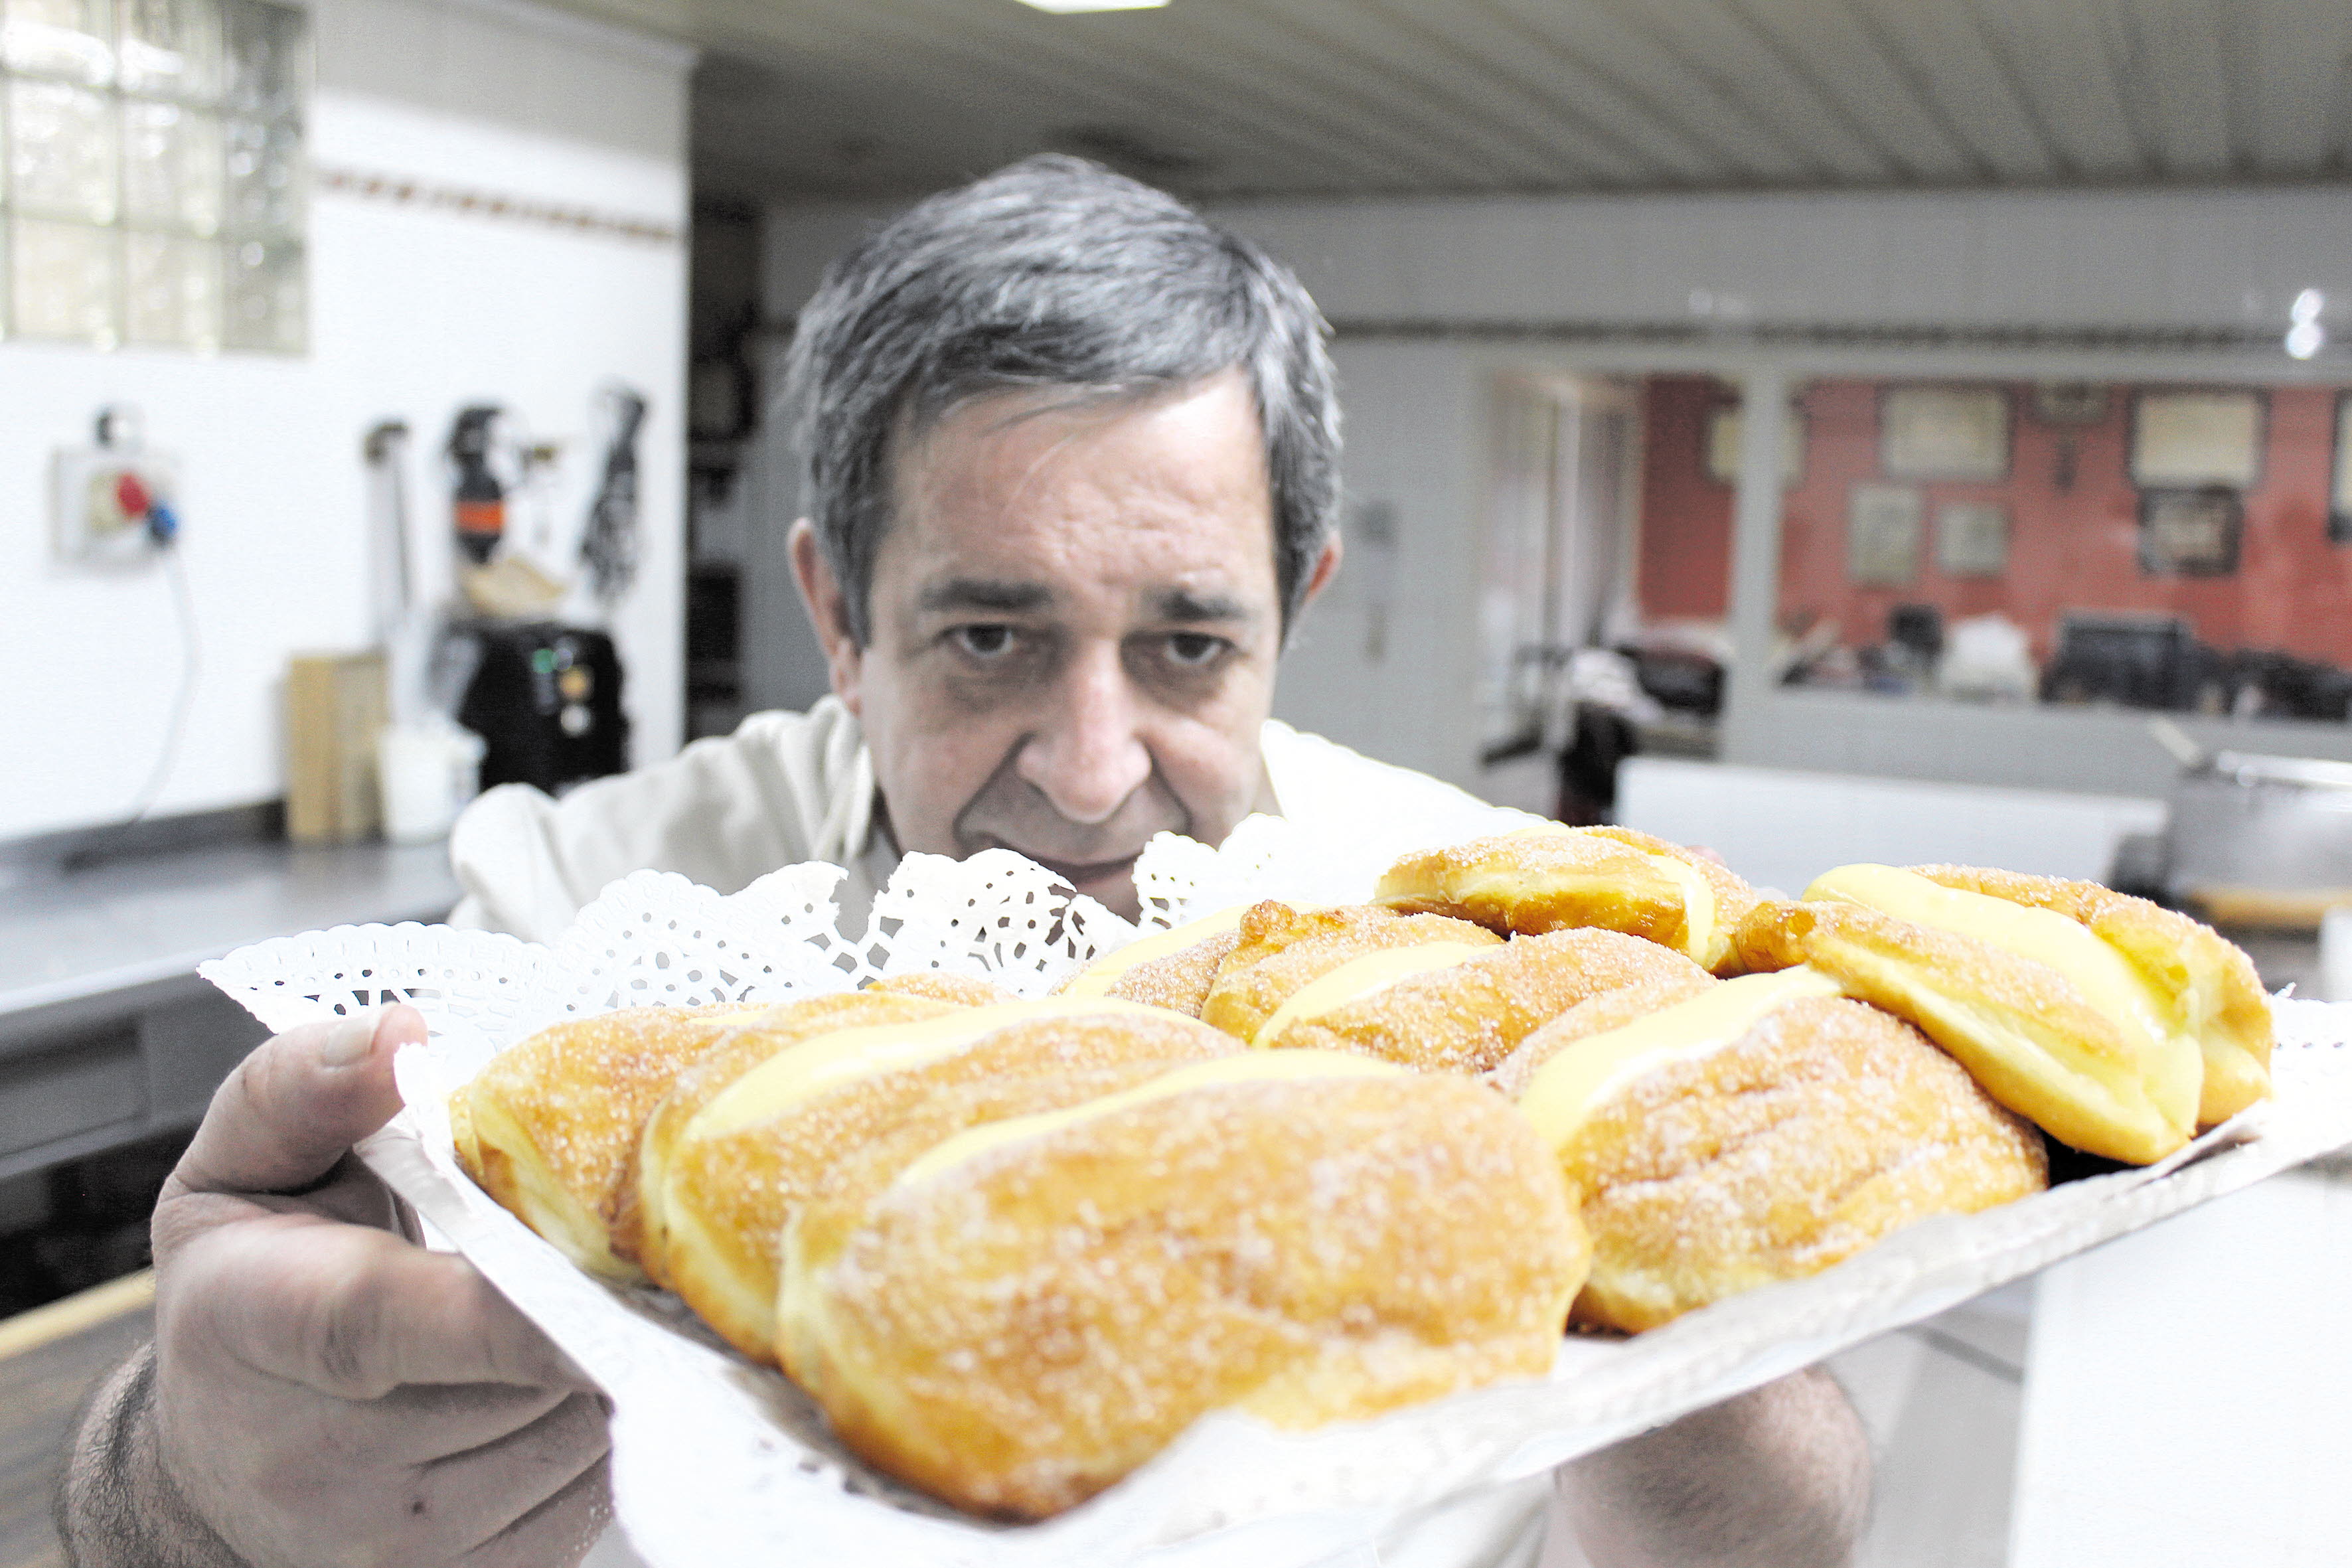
(717, 1464)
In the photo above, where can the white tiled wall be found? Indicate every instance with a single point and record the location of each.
(415, 312)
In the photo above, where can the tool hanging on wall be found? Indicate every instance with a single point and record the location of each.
(479, 504)
(609, 543)
(495, 467)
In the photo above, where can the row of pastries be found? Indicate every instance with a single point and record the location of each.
(1313, 1163)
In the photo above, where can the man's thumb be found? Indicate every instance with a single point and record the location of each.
(295, 1106)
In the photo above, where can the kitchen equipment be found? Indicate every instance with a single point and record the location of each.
(2262, 840)
(2135, 660)
(546, 700)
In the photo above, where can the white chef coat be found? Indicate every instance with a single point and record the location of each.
(791, 787)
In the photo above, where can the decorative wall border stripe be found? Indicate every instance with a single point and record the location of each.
(401, 190)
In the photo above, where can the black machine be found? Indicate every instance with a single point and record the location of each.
(2136, 661)
(546, 700)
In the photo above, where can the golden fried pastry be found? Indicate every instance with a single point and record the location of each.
(1762, 1129)
(1034, 1309)
(1469, 1014)
(844, 1111)
(2207, 986)
(636, 1219)
(939, 985)
(547, 1128)
(2055, 1021)
(1283, 949)
(1553, 878)
(1172, 969)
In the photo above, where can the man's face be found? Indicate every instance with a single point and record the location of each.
(1074, 628)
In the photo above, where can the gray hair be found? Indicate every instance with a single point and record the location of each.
(1053, 272)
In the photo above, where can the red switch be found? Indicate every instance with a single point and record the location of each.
(132, 495)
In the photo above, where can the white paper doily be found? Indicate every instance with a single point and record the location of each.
(719, 1464)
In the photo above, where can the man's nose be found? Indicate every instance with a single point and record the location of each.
(1087, 755)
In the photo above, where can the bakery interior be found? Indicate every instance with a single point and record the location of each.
(1872, 433)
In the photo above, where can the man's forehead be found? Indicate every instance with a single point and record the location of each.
(957, 593)
(1018, 505)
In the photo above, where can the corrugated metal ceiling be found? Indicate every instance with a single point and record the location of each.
(1236, 98)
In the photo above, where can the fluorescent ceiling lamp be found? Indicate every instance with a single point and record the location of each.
(1063, 7)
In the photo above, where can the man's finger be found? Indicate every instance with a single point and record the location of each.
(481, 1494)
(558, 1533)
(353, 1312)
(292, 1107)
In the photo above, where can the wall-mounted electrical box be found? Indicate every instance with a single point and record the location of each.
(111, 502)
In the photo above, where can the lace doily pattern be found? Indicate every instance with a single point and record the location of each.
(719, 1464)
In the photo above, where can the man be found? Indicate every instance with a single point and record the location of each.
(1072, 464)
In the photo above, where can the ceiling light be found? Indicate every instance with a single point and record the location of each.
(2306, 337)
(1063, 7)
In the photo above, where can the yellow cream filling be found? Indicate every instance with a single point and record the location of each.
(1099, 977)
(1270, 1066)
(1564, 1091)
(1698, 904)
(1362, 977)
(818, 1066)
(2114, 988)
(2101, 973)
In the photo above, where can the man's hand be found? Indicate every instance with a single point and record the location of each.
(1779, 1477)
(321, 1389)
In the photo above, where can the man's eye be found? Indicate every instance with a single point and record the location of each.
(1194, 649)
(984, 642)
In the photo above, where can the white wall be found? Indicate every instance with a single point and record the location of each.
(1414, 440)
(415, 311)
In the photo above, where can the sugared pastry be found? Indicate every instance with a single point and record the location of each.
(1553, 878)
(939, 985)
(844, 1111)
(1283, 949)
(1035, 1308)
(1467, 1015)
(2054, 1021)
(1172, 969)
(638, 1223)
(2207, 986)
(1762, 1129)
(547, 1126)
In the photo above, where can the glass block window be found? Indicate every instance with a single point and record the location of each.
(151, 175)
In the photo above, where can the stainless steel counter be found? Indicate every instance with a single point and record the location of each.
(106, 1033)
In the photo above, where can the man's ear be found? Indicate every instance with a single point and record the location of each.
(828, 612)
(1327, 567)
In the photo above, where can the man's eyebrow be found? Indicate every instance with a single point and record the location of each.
(1183, 605)
(987, 594)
